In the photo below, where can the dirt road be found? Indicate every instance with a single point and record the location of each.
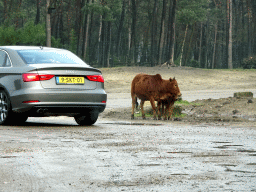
(119, 156)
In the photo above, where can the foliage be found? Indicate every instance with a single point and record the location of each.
(191, 11)
(8, 35)
(249, 63)
(193, 63)
(113, 39)
(32, 34)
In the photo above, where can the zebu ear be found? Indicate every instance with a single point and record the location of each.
(171, 79)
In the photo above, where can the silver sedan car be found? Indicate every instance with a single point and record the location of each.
(41, 81)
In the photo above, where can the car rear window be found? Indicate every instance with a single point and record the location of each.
(52, 56)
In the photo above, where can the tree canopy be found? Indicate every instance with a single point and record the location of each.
(107, 33)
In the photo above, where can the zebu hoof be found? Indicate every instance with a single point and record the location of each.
(143, 117)
(132, 116)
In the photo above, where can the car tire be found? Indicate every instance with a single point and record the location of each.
(18, 118)
(5, 108)
(88, 119)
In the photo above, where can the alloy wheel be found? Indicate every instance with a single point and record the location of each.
(3, 106)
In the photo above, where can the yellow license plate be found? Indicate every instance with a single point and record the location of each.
(70, 80)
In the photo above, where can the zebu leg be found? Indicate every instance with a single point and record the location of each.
(166, 111)
(170, 109)
(159, 103)
(152, 101)
(142, 110)
(133, 105)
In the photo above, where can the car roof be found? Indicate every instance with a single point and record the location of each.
(16, 48)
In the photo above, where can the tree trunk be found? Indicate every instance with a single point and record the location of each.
(230, 65)
(100, 56)
(5, 11)
(214, 45)
(171, 32)
(85, 35)
(120, 28)
(153, 35)
(172, 45)
(249, 30)
(48, 25)
(200, 44)
(78, 26)
(133, 30)
(108, 43)
(91, 50)
(161, 39)
(183, 44)
(37, 12)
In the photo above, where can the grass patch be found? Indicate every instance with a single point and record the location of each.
(177, 109)
(186, 103)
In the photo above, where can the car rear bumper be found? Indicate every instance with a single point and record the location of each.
(41, 110)
(51, 102)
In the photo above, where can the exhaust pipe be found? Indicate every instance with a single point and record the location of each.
(41, 110)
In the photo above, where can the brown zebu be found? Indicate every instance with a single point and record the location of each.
(152, 88)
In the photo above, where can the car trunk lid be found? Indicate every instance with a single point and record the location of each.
(67, 77)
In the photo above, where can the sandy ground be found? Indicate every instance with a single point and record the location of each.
(231, 110)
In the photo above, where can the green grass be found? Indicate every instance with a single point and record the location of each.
(176, 110)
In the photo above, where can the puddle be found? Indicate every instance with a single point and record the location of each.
(246, 151)
(67, 141)
(178, 174)
(211, 155)
(220, 142)
(151, 165)
(8, 157)
(129, 123)
(178, 152)
(239, 171)
(221, 147)
(227, 165)
(226, 146)
(251, 164)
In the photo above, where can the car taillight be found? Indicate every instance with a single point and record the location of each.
(31, 101)
(97, 78)
(35, 77)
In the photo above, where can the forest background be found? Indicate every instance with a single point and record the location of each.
(108, 33)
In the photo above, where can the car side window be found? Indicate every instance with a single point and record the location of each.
(2, 58)
(8, 62)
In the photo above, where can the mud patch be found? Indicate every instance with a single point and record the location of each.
(232, 111)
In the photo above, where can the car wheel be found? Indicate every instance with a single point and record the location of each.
(5, 108)
(87, 119)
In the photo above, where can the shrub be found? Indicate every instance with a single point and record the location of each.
(249, 63)
(8, 35)
(32, 34)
